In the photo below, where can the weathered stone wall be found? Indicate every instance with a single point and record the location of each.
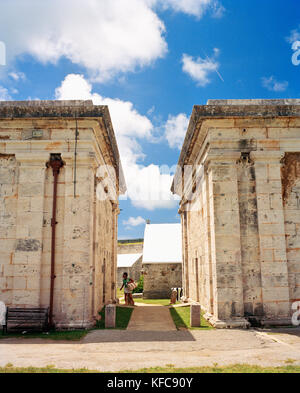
(86, 229)
(130, 248)
(9, 276)
(159, 278)
(291, 195)
(134, 272)
(240, 231)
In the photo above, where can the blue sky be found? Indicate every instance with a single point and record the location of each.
(150, 61)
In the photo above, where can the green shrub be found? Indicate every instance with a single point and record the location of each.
(140, 287)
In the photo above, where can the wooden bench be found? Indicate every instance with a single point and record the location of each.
(33, 319)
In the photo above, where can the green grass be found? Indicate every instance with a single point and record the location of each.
(238, 368)
(75, 335)
(122, 319)
(120, 293)
(162, 302)
(181, 318)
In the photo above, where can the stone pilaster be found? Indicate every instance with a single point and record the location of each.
(115, 212)
(208, 244)
(29, 236)
(225, 237)
(274, 268)
(185, 259)
(77, 258)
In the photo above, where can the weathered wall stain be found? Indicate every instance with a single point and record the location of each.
(290, 173)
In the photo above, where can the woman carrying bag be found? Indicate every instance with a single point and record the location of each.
(129, 285)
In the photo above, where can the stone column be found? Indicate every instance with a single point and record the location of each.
(185, 260)
(225, 236)
(273, 257)
(29, 229)
(208, 243)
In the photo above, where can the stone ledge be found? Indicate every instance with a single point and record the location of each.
(75, 325)
(276, 322)
(255, 102)
(235, 323)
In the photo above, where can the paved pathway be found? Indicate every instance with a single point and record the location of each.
(122, 350)
(153, 318)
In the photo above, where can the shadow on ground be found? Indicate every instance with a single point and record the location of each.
(100, 336)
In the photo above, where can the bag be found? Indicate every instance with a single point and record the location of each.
(132, 285)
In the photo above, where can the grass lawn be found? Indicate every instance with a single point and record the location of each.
(120, 293)
(238, 368)
(181, 318)
(123, 318)
(75, 335)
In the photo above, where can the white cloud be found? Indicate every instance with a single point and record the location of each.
(196, 8)
(17, 76)
(294, 35)
(147, 187)
(135, 221)
(4, 94)
(175, 130)
(200, 69)
(105, 37)
(273, 85)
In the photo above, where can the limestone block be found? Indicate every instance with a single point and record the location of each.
(36, 204)
(24, 204)
(277, 294)
(31, 174)
(25, 298)
(275, 281)
(19, 283)
(268, 145)
(271, 229)
(268, 268)
(8, 270)
(250, 123)
(290, 145)
(195, 315)
(29, 189)
(26, 270)
(33, 283)
(294, 122)
(219, 123)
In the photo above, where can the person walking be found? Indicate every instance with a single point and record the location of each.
(127, 292)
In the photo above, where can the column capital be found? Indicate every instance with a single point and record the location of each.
(267, 156)
(83, 159)
(30, 158)
(219, 157)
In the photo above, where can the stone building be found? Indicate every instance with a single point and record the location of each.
(130, 264)
(130, 246)
(162, 260)
(239, 179)
(60, 177)
(130, 259)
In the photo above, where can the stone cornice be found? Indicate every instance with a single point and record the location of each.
(12, 110)
(266, 110)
